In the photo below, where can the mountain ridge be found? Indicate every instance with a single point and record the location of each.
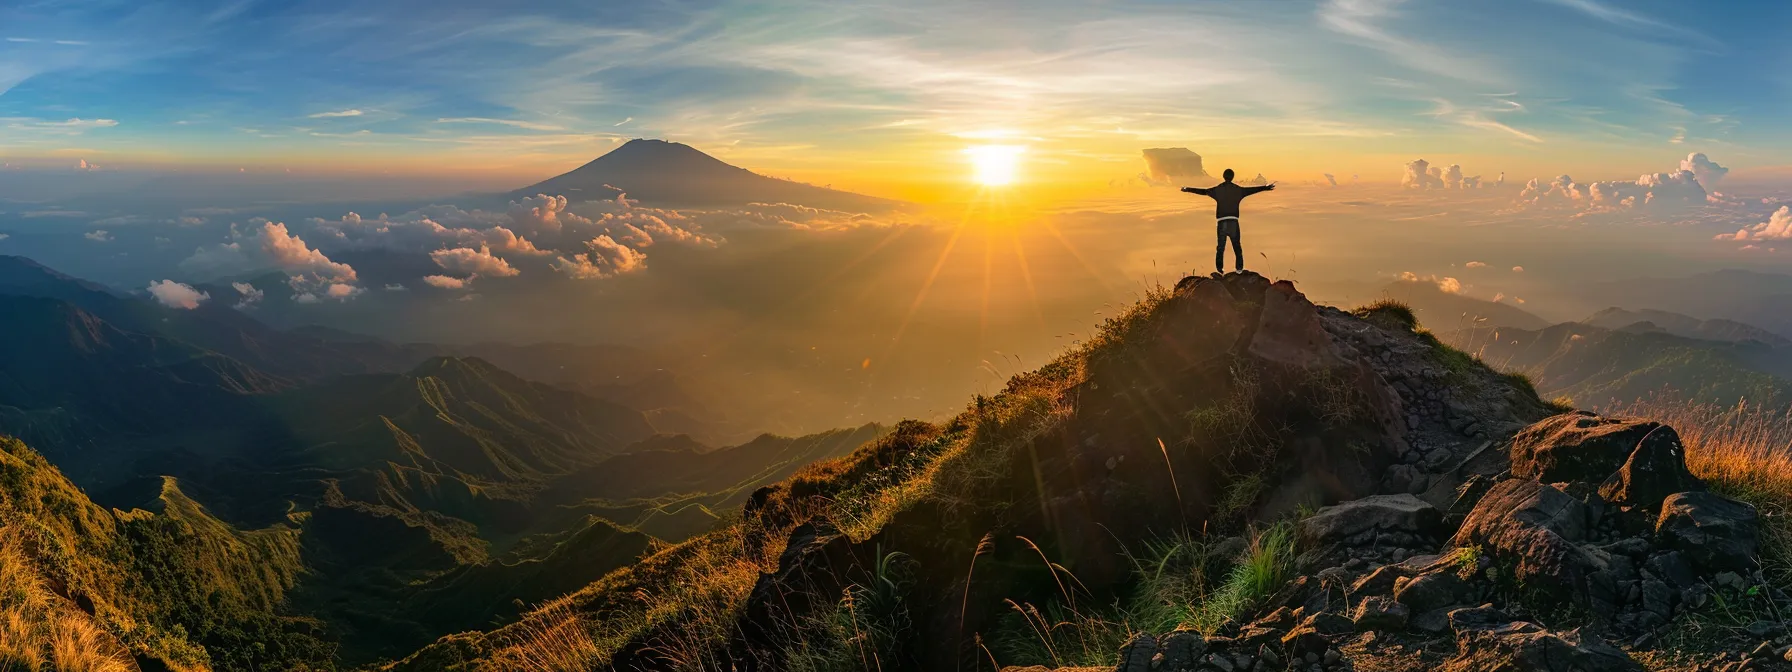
(659, 172)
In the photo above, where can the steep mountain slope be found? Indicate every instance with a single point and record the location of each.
(170, 584)
(1205, 408)
(1596, 367)
(1684, 325)
(674, 174)
(75, 384)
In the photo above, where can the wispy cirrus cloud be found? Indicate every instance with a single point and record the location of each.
(336, 114)
(513, 123)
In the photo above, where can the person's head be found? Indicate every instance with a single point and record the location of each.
(1228, 174)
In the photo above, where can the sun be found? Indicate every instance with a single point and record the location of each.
(994, 165)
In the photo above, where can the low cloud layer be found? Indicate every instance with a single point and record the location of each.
(539, 237)
(1777, 227)
(1688, 185)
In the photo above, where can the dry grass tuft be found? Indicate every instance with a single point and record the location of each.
(42, 631)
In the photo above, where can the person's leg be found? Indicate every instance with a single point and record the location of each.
(1238, 243)
(1219, 248)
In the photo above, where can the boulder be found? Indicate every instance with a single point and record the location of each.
(1534, 528)
(1578, 446)
(1654, 470)
(1378, 513)
(1379, 612)
(1136, 655)
(1711, 531)
(1527, 647)
(1430, 591)
(1382, 580)
(1289, 331)
(1182, 650)
(1476, 618)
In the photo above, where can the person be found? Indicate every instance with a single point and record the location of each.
(1226, 196)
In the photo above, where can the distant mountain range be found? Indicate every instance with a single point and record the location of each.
(396, 475)
(1439, 310)
(1684, 325)
(1761, 299)
(669, 173)
(1598, 366)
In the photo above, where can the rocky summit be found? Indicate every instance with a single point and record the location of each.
(1226, 478)
(1482, 529)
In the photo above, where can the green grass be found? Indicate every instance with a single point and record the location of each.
(175, 584)
(1184, 582)
(1389, 313)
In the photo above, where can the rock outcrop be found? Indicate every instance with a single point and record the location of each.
(1494, 514)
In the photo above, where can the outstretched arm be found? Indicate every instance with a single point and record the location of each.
(1252, 190)
(1195, 190)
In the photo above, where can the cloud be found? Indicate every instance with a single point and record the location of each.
(1420, 175)
(1706, 170)
(1446, 284)
(477, 262)
(1476, 264)
(1777, 227)
(176, 295)
(1563, 191)
(444, 282)
(4, 236)
(98, 236)
(332, 115)
(538, 213)
(342, 291)
(290, 253)
(607, 259)
(395, 287)
(1329, 178)
(527, 125)
(250, 294)
(269, 245)
(1167, 165)
(1517, 269)
(505, 240)
(1670, 190)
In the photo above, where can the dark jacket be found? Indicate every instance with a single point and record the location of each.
(1226, 196)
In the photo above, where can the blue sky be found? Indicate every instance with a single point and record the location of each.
(867, 90)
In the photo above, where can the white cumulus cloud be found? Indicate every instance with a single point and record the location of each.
(606, 259)
(1777, 227)
(176, 295)
(444, 282)
(477, 262)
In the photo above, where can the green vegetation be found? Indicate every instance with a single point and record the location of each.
(174, 584)
(1599, 367)
(864, 627)
(1389, 313)
(1183, 582)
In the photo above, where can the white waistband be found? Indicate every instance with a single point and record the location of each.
(1231, 217)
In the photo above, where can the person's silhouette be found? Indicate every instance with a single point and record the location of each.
(1226, 197)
